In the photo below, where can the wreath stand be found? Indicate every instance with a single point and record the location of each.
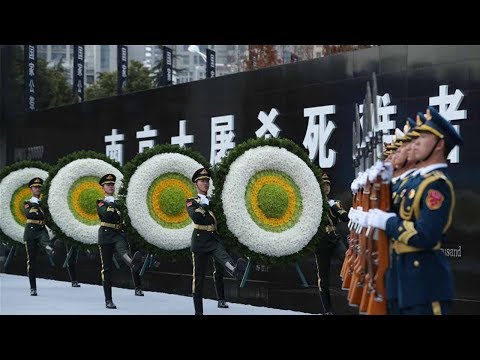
(11, 254)
(249, 268)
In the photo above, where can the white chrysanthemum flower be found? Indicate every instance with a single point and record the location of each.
(72, 197)
(14, 191)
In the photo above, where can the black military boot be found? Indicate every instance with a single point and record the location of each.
(222, 304)
(326, 302)
(240, 268)
(109, 304)
(138, 292)
(75, 283)
(33, 292)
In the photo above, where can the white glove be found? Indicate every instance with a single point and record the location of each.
(363, 219)
(375, 171)
(34, 200)
(204, 200)
(350, 213)
(387, 171)
(109, 199)
(354, 186)
(331, 202)
(50, 233)
(378, 218)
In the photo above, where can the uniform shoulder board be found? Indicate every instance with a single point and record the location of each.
(440, 175)
(437, 174)
(191, 200)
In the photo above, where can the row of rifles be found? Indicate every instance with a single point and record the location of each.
(367, 256)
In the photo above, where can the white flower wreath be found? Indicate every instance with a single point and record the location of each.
(14, 191)
(272, 201)
(72, 194)
(156, 196)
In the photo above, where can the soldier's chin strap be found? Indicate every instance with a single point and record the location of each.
(431, 151)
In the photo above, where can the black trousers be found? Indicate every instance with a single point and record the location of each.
(106, 256)
(323, 257)
(200, 261)
(34, 240)
(72, 263)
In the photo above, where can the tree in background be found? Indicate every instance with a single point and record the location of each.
(157, 73)
(58, 91)
(106, 85)
(304, 52)
(53, 88)
(260, 56)
(335, 49)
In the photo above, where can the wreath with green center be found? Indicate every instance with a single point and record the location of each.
(269, 200)
(71, 194)
(14, 191)
(157, 184)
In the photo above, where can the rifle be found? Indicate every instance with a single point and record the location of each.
(351, 254)
(370, 250)
(358, 278)
(351, 241)
(377, 304)
(381, 199)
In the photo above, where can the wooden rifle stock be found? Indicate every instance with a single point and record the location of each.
(370, 252)
(377, 304)
(358, 278)
(349, 251)
(353, 245)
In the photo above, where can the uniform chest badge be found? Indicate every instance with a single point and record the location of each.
(411, 194)
(434, 199)
(403, 192)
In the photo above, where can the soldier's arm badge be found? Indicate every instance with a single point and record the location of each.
(434, 199)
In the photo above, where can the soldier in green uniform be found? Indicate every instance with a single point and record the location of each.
(331, 245)
(206, 243)
(111, 238)
(35, 234)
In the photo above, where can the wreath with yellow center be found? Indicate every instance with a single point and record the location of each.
(269, 200)
(14, 191)
(71, 193)
(156, 186)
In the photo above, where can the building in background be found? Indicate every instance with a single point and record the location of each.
(188, 66)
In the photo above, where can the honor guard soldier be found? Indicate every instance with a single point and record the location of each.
(424, 277)
(35, 233)
(404, 164)
(111, 238)
(206, 243)
(331, 245)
